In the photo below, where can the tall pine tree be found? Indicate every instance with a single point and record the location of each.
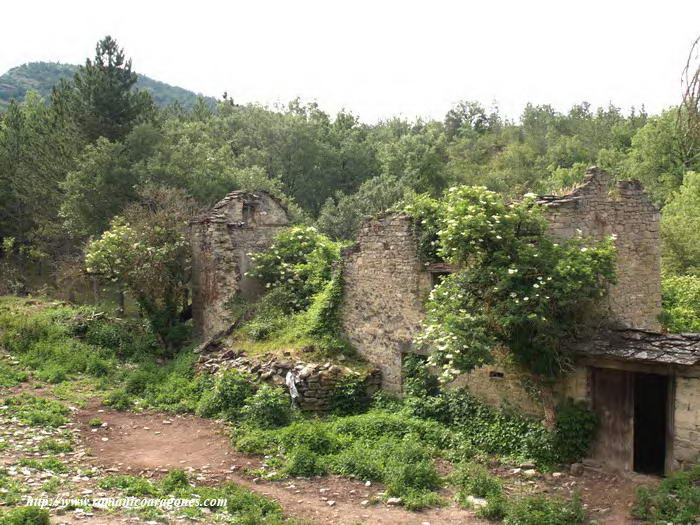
(105, 103)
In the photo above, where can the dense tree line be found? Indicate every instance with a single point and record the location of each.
(71, 163)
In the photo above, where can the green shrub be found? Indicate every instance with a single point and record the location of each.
(542, 510)
(60, 342)
(475, 480)
(55, 446)
(174, 480)
(676, 499)
(348, 395)
(228, 396)
(249, 508)
(360, 460)
(311, 434)
(138, 381)
(495, 509)
(130, 486)
(576, 426)
(300, 260)
(25, 516)
(409, 466)
(376, 424)
(303, 462)
(418, 381)
(9, 376)
(52, 464)
(119, 400)
(680, 299)
(256, 441)
(269, 407)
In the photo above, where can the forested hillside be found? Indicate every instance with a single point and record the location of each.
(43, 76)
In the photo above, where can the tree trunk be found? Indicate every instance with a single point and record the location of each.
(120, 302)
(549, 406)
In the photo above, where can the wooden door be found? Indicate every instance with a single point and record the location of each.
(613, 401)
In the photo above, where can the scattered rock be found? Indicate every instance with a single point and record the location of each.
(476, 503)
(577, 469)
(331, 503)
(393, 501)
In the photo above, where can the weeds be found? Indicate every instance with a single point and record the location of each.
(675, 500)
(37, 411)
(25, 516)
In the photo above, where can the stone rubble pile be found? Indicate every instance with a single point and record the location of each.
(315, 383)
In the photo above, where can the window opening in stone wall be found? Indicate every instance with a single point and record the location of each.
(249, 213)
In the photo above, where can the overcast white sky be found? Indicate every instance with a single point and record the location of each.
(379, 58)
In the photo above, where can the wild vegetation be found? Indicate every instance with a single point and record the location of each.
(396, 442)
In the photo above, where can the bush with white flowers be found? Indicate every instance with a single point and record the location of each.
(516, 287)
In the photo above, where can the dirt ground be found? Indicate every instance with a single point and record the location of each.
(149, 444)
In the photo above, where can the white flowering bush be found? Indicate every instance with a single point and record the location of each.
(516, 286)
(299, 262)
(147, 253)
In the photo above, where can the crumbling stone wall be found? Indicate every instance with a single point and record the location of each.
(315, 382)
(627, 213)
(383, 295)
(222, 240)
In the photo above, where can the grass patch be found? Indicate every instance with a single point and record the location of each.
(55, 446)
(25, 516)
(48, 464)
(675, 499)
(11, 491)
(10, 376)
(229, 500)
(37, 411)
(542, 510)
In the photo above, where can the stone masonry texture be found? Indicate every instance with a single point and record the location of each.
(222, 240)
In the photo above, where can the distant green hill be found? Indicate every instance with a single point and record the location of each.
(42, 76)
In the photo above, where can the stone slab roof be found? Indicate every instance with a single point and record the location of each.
(643, 346)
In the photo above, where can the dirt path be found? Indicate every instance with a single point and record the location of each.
(149, 444)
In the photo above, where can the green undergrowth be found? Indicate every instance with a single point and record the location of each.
(229, 501)
(675, 499)
(37, 411)
(300, 310)
(25, 516)
(59, 342)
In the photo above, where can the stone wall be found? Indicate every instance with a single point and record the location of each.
(627, 213)
(686, 418)
(315, 383)
(222, 241)
(384, 290)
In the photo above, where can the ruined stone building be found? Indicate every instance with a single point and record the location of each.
(241, 223)
(645, 385)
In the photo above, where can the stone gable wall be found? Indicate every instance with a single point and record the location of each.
(222, 241)
(627, 213)
(384, 290)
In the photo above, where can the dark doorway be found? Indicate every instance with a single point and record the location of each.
(650, 407)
